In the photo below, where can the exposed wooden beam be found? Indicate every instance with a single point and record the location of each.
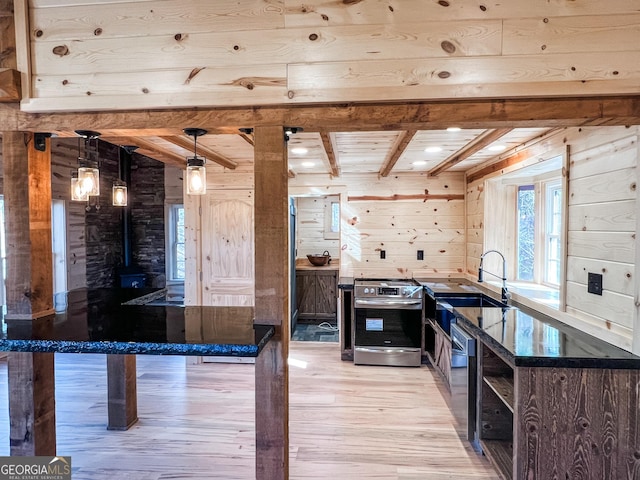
(187, 144)
(327, 141)
(271, 229)
(474, 146)
(27, 191)
(150, 149)
(398, 149)
(418, 196)
(10, 84)
(10, 89)
(518, 113)
(538, 146)
(247, 138)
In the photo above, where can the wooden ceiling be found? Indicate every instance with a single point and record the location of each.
(339, 153)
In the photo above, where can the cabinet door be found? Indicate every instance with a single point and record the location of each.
(306, 293)
(443, 355)
(326, 295)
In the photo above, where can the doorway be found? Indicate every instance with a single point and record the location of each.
(315, 230)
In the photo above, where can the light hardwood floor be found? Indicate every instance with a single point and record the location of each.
(196, 421)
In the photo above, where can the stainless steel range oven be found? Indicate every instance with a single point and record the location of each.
(388, 322)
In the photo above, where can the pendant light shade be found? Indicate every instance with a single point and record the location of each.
(196, 176)
(196, 171)
(89, 178)
(77, 192)
(119, 197)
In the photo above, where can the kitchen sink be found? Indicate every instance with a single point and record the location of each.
(478, 301)
(445, 304)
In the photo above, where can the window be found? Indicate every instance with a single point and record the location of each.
(539, 231)
(526, 232)
(553, 250)
(176, 253)
(59, 245)
(332, 218)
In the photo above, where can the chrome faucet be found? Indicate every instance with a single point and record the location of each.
(505, 295)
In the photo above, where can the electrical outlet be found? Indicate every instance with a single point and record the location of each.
(383, 254)
(594, 283)
(420, 255)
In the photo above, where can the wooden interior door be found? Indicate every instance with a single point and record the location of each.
(227, 248)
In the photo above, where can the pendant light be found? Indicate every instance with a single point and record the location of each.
(87, 182)
(119, 194)
(196, 171)
(77, 193)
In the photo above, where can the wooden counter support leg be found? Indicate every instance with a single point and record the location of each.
(32, 404)
(122, 397)
(272, 299)
(27, 191)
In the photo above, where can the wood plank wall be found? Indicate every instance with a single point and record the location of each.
(602, 226)
(86, 56)
(603, 213)
(398, 226)
(310, 228)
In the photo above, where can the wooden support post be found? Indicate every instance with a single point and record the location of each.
(272, 299)
(122, 398)
(27, 191)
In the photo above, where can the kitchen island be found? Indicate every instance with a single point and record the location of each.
(118, 323)
(551, 401)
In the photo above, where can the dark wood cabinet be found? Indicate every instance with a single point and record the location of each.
(316, 294)
(442, 355)
(554, 422)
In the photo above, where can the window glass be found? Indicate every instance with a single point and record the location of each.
(335, 217)
(177, 260)
(553, 232)
(526, 232)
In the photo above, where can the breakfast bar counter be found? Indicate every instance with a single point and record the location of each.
(111, 321)
(118, 323)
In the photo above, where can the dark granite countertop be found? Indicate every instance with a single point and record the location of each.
(99, 321)
(526, 337)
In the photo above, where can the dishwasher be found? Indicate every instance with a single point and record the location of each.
(464, 369)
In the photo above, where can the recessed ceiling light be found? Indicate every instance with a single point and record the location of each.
(299, 150)
(308, 164)
(453, 129)
(497, 148)
(419, 163)
(433, 149)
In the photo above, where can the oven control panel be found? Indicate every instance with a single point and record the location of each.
(388, 291)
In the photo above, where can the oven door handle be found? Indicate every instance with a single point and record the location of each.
(387, 350)
(377, 303)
